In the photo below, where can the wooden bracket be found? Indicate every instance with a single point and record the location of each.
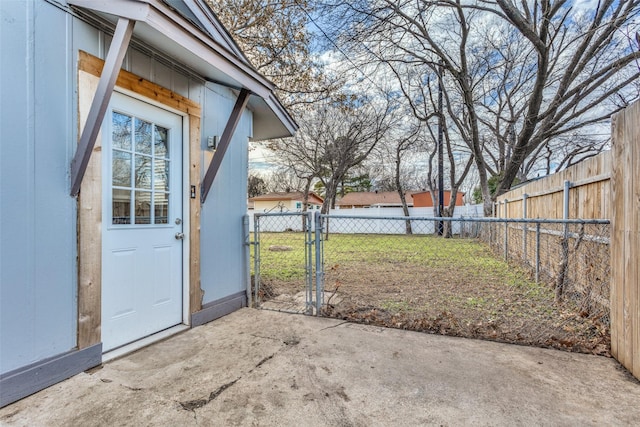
(225, 139)
(112, 65)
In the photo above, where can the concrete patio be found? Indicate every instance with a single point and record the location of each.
(267, 368)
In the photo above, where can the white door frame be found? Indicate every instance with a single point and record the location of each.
(186, 195)
(90, 197)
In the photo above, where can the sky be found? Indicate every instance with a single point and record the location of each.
(259, 161)
(335, 61)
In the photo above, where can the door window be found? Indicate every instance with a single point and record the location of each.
(140, 164)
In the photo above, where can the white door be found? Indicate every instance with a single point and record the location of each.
(142, 221)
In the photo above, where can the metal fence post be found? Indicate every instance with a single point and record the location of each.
(564, 264)
(308, 255)
(506, 232)
(525, 227)
(319, 262)
(491, 225)
(247, 256)
(256, 259)
(538, 252)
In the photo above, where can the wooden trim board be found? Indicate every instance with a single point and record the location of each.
(91, 128)
(90, 198)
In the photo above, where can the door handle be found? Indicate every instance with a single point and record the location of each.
(179, 236)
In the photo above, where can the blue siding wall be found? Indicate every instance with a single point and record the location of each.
(221, 256)
(39, 42)
(38, 313)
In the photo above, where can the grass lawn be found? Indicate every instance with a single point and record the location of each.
(427, 283)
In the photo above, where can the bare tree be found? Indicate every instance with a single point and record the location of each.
(274, 36)
(347, 137)
(297, 165)
(403, 145)
(582, 65)
(518, 75)
(334, 138)
(256, 186)
(284, 178)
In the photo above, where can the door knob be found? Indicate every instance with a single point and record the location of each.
(179, 236)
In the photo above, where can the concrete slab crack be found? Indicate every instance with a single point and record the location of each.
(265, 338)
(333, 326)
(260, 363)
(292, 340)
(192, 405)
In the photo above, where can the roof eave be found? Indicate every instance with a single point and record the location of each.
(161, 27)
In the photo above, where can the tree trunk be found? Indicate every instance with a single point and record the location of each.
(403, 199)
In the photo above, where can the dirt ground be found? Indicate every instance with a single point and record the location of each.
(457, 287)
(473, 304)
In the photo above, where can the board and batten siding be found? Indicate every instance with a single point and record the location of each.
(39, 133)
(221, 235)
(38, 280)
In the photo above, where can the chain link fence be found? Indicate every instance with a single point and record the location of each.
(536, 282)
(569, 256)
(282, 262)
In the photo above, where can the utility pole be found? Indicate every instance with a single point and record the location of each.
(440, 208)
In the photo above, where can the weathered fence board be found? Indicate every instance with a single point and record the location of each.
(589, 193)
(581, 191)
(625, 249)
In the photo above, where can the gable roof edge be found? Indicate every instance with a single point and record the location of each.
(217, 60)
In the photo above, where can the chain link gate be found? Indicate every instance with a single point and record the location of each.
(283, 265)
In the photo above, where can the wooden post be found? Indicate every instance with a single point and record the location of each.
(625, 239)
(117, 50)
(225, 139)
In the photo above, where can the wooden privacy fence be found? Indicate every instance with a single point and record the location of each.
(625, 248)
(582, 191)
(574, 257)
(605, 186)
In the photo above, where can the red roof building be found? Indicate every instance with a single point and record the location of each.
(368, 199)
(423, 199)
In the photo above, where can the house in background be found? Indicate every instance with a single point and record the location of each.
(285, 201)
(373, 199)
(124, 156)
(423, 199)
